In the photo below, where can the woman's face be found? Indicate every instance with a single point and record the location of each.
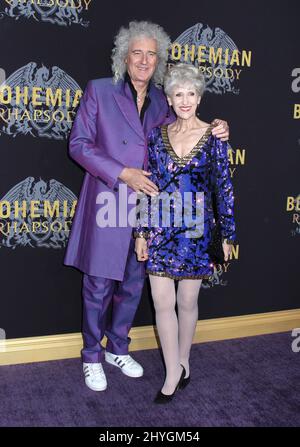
(184, 99)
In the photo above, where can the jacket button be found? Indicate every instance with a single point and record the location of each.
(124, 141)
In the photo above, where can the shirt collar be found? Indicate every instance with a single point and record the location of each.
(132, 88)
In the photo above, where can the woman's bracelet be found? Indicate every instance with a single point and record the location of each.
(141, 234)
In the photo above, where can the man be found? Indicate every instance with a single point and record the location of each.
(109, 140)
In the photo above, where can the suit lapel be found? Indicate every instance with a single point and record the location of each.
(126, 104)
(152, 112)
(155, 115)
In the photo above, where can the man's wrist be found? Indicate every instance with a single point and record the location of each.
(123, 174)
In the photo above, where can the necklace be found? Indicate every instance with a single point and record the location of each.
(141, 98)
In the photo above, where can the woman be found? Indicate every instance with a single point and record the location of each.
(184, 157)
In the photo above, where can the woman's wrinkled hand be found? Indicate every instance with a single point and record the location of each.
(141, 249)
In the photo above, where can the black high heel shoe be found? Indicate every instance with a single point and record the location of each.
(185, 382)
(162, 398)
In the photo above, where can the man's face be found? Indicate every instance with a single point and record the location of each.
(142, 59)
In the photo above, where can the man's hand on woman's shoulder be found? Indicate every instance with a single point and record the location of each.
(220, 129)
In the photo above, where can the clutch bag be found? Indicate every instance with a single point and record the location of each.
(215, 247)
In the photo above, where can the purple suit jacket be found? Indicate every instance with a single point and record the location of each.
(107, 135)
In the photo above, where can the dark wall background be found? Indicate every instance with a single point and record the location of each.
(40, 296)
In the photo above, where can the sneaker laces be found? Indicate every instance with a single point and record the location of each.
(129, 361)
(97, 370)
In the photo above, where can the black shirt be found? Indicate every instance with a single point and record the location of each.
(147, 100)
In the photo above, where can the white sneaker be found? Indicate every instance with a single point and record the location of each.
(126, 363)
(94, 376)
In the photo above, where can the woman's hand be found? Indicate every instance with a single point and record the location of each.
(227, 248)
(141, 249)
(220, 129)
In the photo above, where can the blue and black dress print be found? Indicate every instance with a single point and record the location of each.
(205, 169)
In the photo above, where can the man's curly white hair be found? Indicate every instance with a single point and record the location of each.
(137, 30)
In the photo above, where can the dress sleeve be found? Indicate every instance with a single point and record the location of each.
(143, 224)
(223, 189)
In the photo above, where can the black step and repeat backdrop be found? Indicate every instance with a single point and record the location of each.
(250, 54)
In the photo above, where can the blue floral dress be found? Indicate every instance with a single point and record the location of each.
(178, 248)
